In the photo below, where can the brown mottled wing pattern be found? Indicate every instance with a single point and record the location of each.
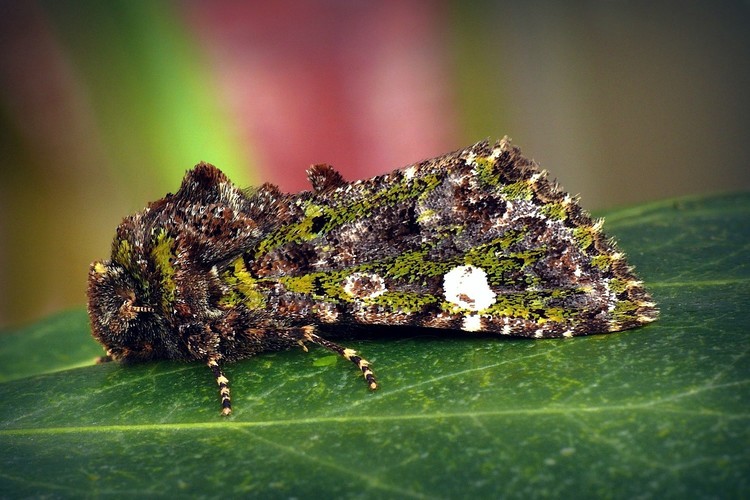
(478, 240)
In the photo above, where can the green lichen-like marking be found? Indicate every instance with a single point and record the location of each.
(555, 211)
(418, 266)
(624, 310)
(416, 188)
(484, 167)
(521, 190)
(243, 287)
(495, 262)
(298, 231)
(529, 305)
(123, 253)
(510, 237)
(329, 283)
(492, 256)
(618, 285)
(514, 305)
(336, 216)
(601, 262)
(402, 301)
(426, 215)
(553, 314)
(413, 266)
(301, 284)
(495, 259)
(162, 252)
(584, 236)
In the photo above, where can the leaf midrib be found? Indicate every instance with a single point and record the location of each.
(653, 406)
(697, 284)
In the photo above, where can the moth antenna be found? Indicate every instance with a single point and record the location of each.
(349, 354)
(223, 382)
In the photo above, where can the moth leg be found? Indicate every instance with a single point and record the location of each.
(223, 382)
(350, 354)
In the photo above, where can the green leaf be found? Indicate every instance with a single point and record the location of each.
(60, 342)
(658, 411)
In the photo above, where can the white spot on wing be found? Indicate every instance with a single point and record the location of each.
(467, 287)
(472, 323)
(577, 272)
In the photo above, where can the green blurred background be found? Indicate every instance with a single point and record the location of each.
(104, 105)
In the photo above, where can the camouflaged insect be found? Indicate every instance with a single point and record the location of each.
(477, 240)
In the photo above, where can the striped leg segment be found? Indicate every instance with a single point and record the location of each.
(223, 382)
(347, 353)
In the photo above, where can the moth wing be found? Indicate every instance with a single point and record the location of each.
(478, 240)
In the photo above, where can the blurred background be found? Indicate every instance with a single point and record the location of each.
(105, 105)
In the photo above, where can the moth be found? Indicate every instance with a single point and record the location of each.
(478, 240)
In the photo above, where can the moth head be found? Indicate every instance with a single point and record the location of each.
(121, 319)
